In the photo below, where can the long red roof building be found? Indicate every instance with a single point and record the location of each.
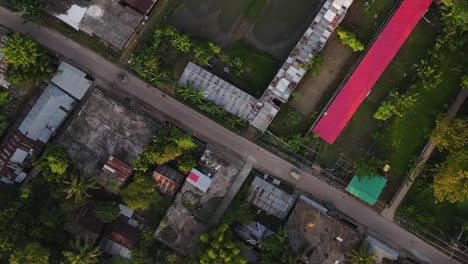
(369, 70)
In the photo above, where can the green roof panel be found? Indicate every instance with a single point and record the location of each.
(367, 189)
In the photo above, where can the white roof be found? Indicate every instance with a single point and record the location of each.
(71, 80)
(73, 16)
(126, 211)
(19, 156)
(330, 15)
(20, 178)
(199, 180)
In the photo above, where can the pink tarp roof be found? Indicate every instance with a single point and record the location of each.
(371, 67)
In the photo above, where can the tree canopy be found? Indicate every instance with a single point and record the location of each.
(361, 255)
(141, 193)
(348, 38)
(54, 163)
(451, 180)
(82, 252)
(170, 144)
(107, 211)
(26, 61)
(77, 187)
(20, 51)
(450, 136)
(275, 249)
(32, 253)
(219, 247)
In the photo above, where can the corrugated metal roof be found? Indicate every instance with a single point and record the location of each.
(199, 180)
(270, 198)
(117, 168)
(47, 114)
(71, 80)
(218, 91)
(381, 250)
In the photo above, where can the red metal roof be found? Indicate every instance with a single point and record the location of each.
(116, 167)
(371, 67)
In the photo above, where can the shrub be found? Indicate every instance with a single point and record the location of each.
(348, 38)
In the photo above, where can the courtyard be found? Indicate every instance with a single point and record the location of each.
(105, 127)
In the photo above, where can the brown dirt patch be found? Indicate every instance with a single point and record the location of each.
(315, 91)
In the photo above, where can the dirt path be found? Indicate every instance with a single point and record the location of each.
(315, 91)
(389, 212)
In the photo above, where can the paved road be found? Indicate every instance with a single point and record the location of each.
(210, 131)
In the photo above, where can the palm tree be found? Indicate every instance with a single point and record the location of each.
(197, 97)
(77, 187)
(184, 91)
(83, 253)
(182, 43)
(361, 255)
(234, 122)
(209, 107)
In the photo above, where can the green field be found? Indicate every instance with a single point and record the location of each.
(367, 20)
(289, 122)
(254, 10)
(259, 69)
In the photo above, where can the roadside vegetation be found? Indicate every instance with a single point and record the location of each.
(154, 61)
(26, 61)
(439, 197)
(197, 100)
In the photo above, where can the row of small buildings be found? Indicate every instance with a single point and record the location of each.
(261, 112)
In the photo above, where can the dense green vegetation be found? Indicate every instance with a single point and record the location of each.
(30, 10)
(350, 39)
(361, 255)
(26, 61)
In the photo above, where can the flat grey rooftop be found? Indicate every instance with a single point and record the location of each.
(109, 20)
(103, 128)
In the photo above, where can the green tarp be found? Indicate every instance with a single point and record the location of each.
(367, 189)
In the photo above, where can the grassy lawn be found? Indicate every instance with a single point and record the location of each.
(356, 138)
(406, 136)
(259, 69)
(254, 9)
(289, 122)
(367, 20)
